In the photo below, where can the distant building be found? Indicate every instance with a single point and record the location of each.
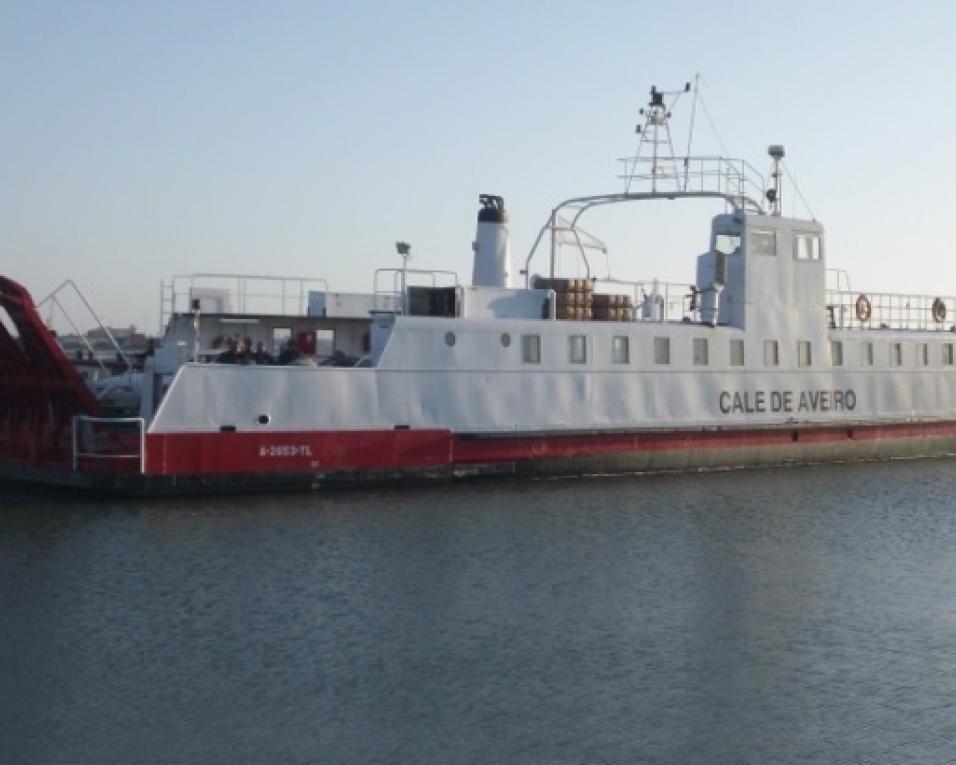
(127, 337)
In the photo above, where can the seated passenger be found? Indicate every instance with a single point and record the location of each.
(290, 353)
(262, 356)
(229, 356)
(244, 354)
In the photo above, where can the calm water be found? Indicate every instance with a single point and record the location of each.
(802, 615)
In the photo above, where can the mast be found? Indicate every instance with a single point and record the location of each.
(775, 193)
(690, 130)
(655, 134)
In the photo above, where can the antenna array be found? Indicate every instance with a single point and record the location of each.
(656, 141)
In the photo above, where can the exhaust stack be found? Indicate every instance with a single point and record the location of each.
(492, 247)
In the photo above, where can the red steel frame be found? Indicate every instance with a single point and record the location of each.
(40, 390)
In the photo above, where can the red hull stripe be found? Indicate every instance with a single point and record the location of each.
(330, 451)
(303, 451)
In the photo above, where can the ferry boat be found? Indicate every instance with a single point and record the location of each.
(764, 357)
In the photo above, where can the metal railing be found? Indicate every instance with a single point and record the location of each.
(886, 310)
(734, 177)
(83, 430)
(402, 278)
(241, 293)
(655, 300)
(53, 302)
(564, 218)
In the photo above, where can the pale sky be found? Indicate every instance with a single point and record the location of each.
(142, 140)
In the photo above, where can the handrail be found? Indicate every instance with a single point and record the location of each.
(698, 172)
(583, 204)
(106, 330)
(78, 332)
(171, 292)
(401, 274)
(77, 454)
(656, 300)
(889, 310)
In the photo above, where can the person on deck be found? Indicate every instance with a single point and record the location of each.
(262, 356)
(229, 356)
(244, 354)
(290, 353)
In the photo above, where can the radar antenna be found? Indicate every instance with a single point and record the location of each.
(655, 135)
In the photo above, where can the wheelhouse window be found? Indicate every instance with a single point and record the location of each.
(620, 350)
(701, 356)
(531, 349)
(736, 353)
(947, 354)
(662, 350)
(771, 353)
(803, 353)
(866, 354)
(896, 354)
(763, 242)
(922, 354)
(806, 247)
(578, 349)
(836, 353)
(728, 243)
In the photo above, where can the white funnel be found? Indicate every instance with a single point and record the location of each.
(492, 246)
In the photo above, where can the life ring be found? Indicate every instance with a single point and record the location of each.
(863, 308)
(939, 311)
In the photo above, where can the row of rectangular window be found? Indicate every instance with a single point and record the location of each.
(895, 354)
(804, 353)
(621, 352)
(577, 349)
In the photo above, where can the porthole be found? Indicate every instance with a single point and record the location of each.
(505, 340)
(449, 339)
(263, 419)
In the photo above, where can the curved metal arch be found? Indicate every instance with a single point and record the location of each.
(583, 204)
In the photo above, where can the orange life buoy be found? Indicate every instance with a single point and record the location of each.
(863, 308)
(939, 311)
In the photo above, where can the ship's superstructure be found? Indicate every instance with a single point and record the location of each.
(767, 357)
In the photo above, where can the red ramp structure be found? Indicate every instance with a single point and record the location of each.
(40, 390)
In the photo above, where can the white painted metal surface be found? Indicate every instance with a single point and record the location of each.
(492, 247)
(503, 303)
(481, 385)
(349, 305)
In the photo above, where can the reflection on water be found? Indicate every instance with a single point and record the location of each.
(765, 616)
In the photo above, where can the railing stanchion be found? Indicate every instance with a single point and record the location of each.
(140, 456)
